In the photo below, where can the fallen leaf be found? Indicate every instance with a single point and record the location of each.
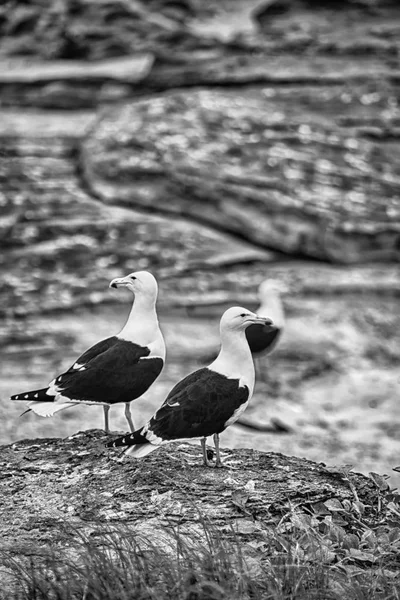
(333, 531)
(320, 509)
(239, 499)
(342, 470)
(333, 504)
(394, 534)
(393, 508)
(360, 555)
(246, 526)
(321, 554)
(359, 507)
(379, 481)
(350, 541)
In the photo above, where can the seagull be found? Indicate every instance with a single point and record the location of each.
(208, 400)
(263, 339)
(118, 369)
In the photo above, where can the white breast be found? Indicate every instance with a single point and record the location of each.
(157, 347)
(243, 370)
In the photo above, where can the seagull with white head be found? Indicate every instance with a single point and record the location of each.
(116, 370)
(262, 340)
(208, 400)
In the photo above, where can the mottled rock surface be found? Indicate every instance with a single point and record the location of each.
(194, 43)
(78, 482)
(302, 177)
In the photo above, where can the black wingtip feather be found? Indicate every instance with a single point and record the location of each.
(37, 395)
(115, 443)
(129, 440)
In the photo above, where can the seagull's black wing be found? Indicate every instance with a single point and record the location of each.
(262, 338)
(94, 351)
(199, 405)
(111, 371)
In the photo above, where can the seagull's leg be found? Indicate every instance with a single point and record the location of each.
(216, 443)
(128, 416)
(206, 462)
(106, 408)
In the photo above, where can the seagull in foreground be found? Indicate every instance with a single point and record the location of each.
(207, 401)
(118, 369)
(263, 339)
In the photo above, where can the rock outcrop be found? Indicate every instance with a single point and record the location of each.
(46, 483)
(293, 170)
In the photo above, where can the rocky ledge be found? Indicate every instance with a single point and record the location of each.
(77, 481)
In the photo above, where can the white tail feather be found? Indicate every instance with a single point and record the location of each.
(47, 409)
(140, 450)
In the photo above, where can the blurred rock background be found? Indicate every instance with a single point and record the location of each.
(215, 143)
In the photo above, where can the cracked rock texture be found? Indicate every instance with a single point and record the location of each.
(49, 485)
(294, 170)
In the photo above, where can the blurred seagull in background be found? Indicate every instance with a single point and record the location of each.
(118, 369)
(263, 339)
(208, 400)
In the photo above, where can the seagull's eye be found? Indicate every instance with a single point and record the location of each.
(243, 315)
(133, 277)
